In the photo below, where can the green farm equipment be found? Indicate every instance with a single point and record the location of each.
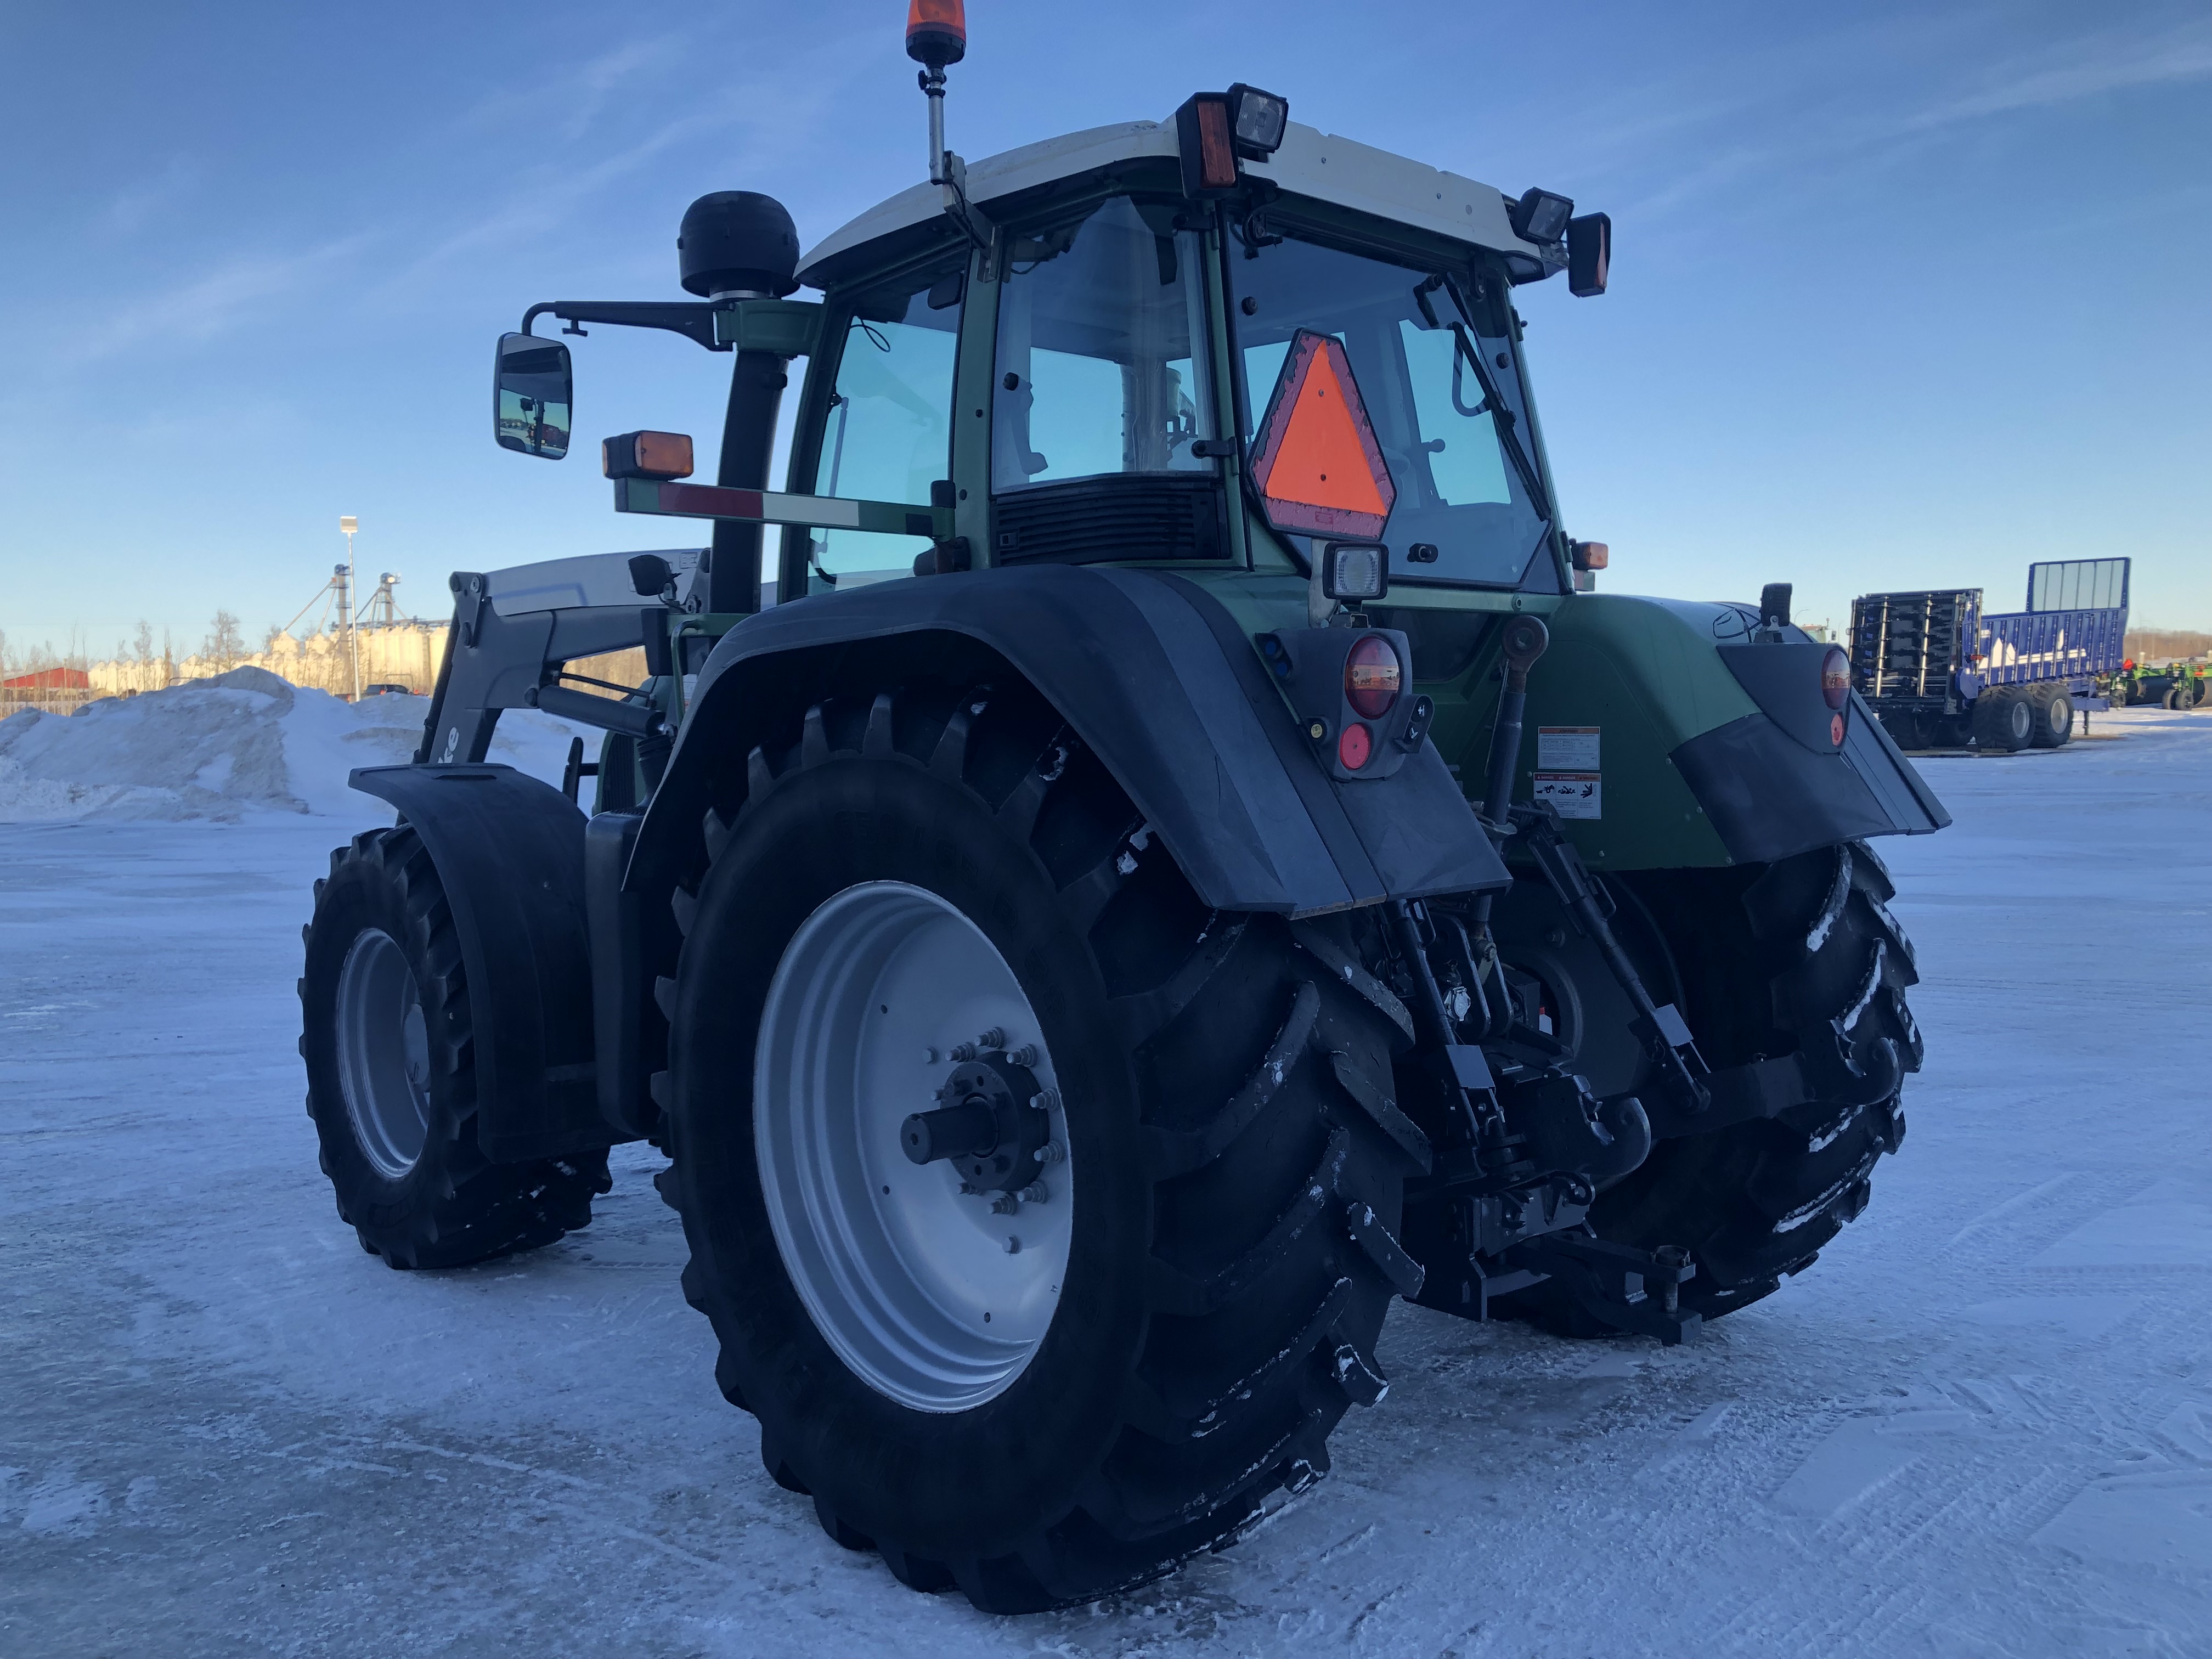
(1184, 860)
(2178, 685)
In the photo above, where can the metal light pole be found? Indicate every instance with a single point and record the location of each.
(349, 523)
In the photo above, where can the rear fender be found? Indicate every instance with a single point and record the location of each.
(509, 851)
(1149, 670)
(1696, 764)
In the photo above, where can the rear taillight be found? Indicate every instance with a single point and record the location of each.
(1836, 676)
(1371, 677)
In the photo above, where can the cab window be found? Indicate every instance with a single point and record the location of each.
(1408, 334)
(887, 434)
(1096, 372)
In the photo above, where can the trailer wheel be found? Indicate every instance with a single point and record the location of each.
(1802, 955)
(2004, 721)
(391, 1078)
(942, 904)
(2054, 721)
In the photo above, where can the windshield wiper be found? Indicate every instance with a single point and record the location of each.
(1502, 419)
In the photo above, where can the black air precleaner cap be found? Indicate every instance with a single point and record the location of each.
(738, 238)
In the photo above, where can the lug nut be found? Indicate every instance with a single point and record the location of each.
(1033, 1193)
(964, 1052)
(1050, 1153)
(1024, 1055)
(1005, 1204)
(1013, 1245)
(1046, 1101)
(993, 1038)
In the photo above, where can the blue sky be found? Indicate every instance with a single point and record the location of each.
(1903, 295)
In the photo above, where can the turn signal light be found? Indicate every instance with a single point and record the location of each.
(1836, 676)
(647, 455)
(1204, 136)
(1371, 684)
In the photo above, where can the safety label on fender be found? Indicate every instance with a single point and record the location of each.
(1567, 748)
(1576, 794)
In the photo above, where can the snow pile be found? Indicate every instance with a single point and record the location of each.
(217, 749)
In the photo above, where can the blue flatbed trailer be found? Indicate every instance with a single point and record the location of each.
(1941, 672)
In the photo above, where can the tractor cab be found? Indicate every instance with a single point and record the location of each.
(1093, 379)
(1144, 344)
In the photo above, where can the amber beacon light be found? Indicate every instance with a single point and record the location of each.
(936, 31)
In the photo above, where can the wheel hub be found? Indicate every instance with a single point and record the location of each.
(990, 1124)
(903, 1176)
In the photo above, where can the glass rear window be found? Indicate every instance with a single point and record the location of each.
(1458, 490)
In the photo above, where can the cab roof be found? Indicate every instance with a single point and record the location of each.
(1317, 166)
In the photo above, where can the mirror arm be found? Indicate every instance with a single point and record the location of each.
(693, 322)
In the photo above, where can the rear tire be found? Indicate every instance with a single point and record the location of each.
(1802, 955)
(2054, 719)
(392, 1080)
(1229, 1203)
(2004, 722)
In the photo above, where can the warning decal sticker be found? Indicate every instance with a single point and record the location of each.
(1575, 794)
(1566, 748)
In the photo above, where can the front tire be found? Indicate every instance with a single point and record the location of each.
(1219, 1229)
(391, 1081)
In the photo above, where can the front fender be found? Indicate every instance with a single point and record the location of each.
(509, 853)
(1148, 669)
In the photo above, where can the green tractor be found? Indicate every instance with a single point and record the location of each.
(1182, 862)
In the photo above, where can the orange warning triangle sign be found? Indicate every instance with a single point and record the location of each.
(1316, 462)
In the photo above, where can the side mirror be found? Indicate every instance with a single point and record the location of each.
(534, 391)
(1589, 254)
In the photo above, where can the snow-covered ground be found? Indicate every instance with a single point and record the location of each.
(1980, 1427)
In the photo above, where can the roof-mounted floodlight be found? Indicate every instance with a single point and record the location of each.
(1542, 216)
(1257, 121)
(1217, 132)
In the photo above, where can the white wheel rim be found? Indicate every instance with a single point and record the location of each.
(928, 1295)
(384, 1052)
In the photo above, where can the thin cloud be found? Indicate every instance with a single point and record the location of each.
(1782, 132)
(2093, 68)
(231, 293)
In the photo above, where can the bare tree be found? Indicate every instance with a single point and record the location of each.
(225, 645)
(143, 647)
